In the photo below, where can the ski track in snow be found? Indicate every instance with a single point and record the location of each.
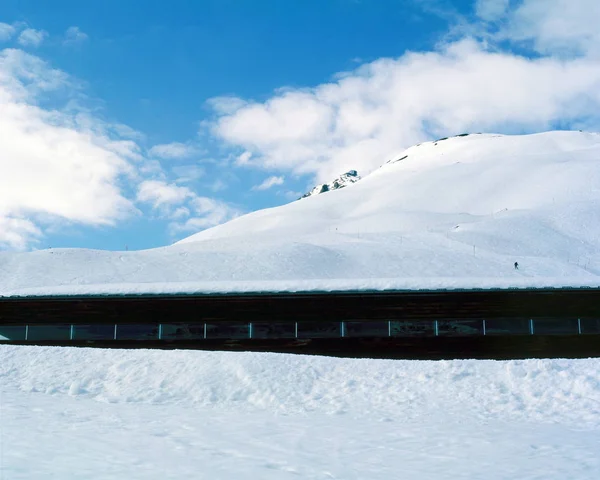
(99, 414)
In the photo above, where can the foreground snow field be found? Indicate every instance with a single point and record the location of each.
(453, 213)
(100, 414)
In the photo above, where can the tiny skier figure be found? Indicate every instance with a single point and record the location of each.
(516, 265)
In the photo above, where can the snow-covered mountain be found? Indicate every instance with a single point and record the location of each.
(453, 213)
(348, 178)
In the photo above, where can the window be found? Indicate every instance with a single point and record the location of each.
(182, 331)
(507, 326)
(588, 325)
(13, 333)
(366, 329)
(48, 332)
(93, 332)
(555, 326)
(234, 330)
(319, 330)
(412, 328)
(137, 332)
(460, 327)
(273, 330)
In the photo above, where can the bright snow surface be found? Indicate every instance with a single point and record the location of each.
(456, 213)
(106, 414)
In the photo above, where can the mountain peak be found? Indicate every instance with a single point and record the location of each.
(351, 176)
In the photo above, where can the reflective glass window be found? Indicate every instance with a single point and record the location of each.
(588, 325)
(412, 328)
(93, 332)
(366, 329)
(235, 330)
(507, 326)
(555, 326)
(12, 332)
(48, 332)
(319, 330)
(182, 331)
(460, 327)
(273, 330)
(137, 332)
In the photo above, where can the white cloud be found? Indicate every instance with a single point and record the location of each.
(292, 116)
(556, 26)
(74, 36)
(226, 105)
(173, 150)
(25, 78)
(370, 114)
(17, 233)
(31, 37)
(186, 210)
(269, 182)
(208, 213)
(125, 131)
(243, 159)
(56, 165)
(160, 193)
(490, 10)
(66, 166)
(181, 212)
(6, 31)
(203, 212)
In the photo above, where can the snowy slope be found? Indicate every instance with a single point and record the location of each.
(100, 414)
(452, 213)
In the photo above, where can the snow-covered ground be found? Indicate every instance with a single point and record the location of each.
(105, 414)
(450, 214)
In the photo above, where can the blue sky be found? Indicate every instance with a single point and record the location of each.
(135, 123)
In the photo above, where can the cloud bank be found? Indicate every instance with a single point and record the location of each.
(63, 165)
(54, 165)
(474, 83)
